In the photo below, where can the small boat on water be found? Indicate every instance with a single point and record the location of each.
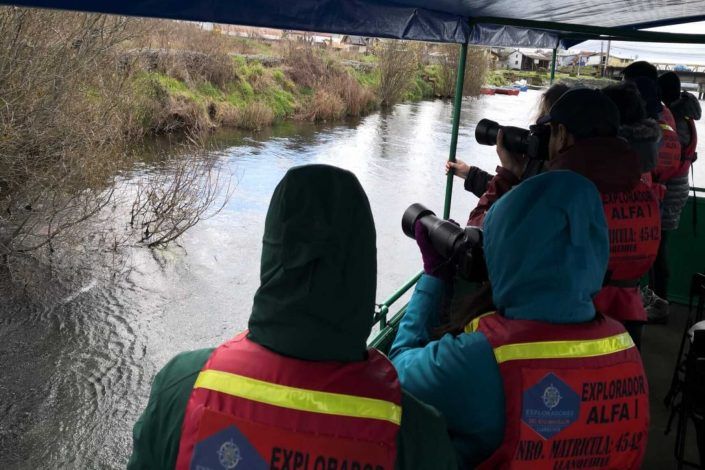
(507, 91)
(486, 90)
(521, 85)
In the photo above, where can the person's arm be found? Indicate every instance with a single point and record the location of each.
(423, 440)
(157, 432)
(422, 314)
(477, 181)
(508, 175)
(457, 375)
(500, 184)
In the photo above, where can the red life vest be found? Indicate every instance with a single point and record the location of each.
(252, 406)
(634, 227)
(669, 155)
(576, 396)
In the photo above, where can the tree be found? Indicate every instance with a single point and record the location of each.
(398, 62)
(476, 67)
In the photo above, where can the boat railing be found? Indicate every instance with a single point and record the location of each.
(388, 326)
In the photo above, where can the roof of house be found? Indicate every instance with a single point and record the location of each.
(355, 40)
(536, 55)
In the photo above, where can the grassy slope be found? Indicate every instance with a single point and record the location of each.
(507, 77)
(258, 96)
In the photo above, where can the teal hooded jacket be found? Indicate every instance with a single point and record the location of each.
(546, 245)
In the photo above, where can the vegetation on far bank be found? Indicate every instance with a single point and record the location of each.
(179, 90)
(542, 77)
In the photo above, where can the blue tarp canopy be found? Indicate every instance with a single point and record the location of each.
(529, 23)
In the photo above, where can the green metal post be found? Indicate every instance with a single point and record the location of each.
(457, 102)
(553, 65)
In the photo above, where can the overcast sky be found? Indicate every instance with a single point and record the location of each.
(656, 52)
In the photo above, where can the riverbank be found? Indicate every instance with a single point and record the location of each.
(505, 77)
(190, 91)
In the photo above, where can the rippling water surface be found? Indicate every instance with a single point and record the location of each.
(76, 373)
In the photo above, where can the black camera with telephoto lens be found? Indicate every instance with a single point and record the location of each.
(460, 246)
(532, 142)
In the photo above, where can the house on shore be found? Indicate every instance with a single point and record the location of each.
(520, 59)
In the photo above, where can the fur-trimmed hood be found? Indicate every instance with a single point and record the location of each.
(686, 106)
(645, 138)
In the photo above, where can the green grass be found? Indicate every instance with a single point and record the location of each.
(281, 102)
(368, 78)
(506, 77)
(420, 88)
(170, 84)
(209, 90)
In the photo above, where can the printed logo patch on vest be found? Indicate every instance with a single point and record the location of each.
(226, 450)
(550, 406)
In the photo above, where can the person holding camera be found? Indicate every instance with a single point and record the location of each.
(522, 386)
(477, 180)
(300, 389)
(685, 110)
(584, 125)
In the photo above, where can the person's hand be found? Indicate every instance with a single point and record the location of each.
(511, 161)
(459, 167)
(433, 263)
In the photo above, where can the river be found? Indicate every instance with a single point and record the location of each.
(77, 372)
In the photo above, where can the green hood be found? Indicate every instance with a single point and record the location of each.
(318, 274)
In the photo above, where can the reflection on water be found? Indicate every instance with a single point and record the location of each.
(76, 374)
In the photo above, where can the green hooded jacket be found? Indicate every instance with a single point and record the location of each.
(315, 302)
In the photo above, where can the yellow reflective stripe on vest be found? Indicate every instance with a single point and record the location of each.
(299, 399)
(563, 349)
(666, 127)
(475, 322)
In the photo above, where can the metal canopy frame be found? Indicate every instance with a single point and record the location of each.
(571, 34)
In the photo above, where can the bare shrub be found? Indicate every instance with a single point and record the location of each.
(476, 67)
(306, 65)
(397, 62)
(62, 122)
(227, 115)
(325, 106)
(195, 67)
(187, 36)
(337, 93)
(185, 114)
(172, 200)
(358, 100)
(255, 116)
(69, 112)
